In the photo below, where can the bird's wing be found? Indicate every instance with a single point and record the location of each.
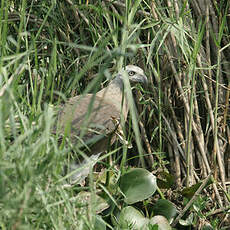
(89, 116)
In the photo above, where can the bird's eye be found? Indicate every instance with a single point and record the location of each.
(131, 73)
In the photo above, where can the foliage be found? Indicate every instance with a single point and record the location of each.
(52, 50)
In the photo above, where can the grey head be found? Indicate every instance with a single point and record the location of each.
(134, 73)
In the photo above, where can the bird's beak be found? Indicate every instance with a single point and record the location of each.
(144, 80)
(140, 79)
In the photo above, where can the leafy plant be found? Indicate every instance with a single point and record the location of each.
(53, 50)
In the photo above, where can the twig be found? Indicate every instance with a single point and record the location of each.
(219, 210)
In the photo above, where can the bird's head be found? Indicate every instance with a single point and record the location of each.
(135, 74)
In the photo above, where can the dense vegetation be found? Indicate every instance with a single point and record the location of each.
(52, 50)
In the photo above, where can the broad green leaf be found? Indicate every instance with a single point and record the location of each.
(165, 208)
(161, 221)
(131, 218)
(137, 184)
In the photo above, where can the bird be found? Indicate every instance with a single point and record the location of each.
(93, 119)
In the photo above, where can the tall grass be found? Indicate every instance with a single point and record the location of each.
(53, 50)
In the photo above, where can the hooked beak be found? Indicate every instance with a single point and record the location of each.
(140, 79)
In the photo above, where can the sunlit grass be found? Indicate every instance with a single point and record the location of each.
(51, 52)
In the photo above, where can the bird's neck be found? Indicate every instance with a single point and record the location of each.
(114, 93)
(117, 82)
(115, 88)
